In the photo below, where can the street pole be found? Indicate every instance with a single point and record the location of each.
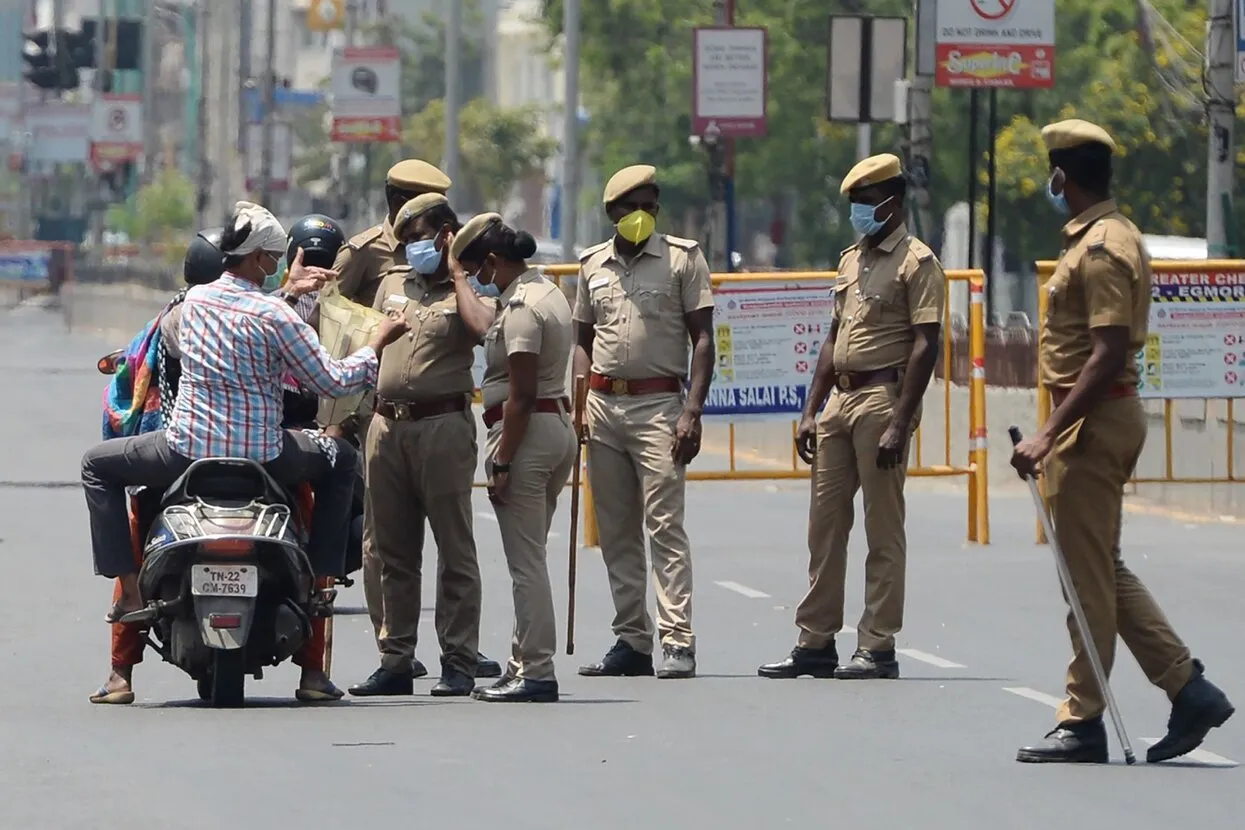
(920, 151)
(341, 157)
(270, 83)
(453, 91)
(570, 129)
(148, 61)
(246, 24)
(727, 18)
(991, 198)
(1220, 103)
(973, 107)
(205, 66)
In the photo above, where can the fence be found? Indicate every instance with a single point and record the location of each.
(975, 467)
(1221, 331)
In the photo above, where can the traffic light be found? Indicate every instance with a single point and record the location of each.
(53, 58)
(125, 33)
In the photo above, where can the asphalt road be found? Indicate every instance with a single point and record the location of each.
(984, 651)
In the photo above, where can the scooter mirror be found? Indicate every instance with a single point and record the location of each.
(108, 364)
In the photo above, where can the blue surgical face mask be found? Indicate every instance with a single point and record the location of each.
(273, 281)
(864, 217)
(1058, 202)
(423, 256)
(489, 290)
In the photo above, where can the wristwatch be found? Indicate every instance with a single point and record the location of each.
(501, 468)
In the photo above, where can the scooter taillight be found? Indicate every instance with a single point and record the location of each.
(229, 621)
(227, 547)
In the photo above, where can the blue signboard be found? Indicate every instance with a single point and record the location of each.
(25, 265)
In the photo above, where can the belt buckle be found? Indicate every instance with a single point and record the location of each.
(402, 411)
(845, 382)
(618, 386)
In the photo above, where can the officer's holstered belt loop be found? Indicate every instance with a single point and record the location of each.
(642, 386)
(555, 405)
(418, 410)
(849, 381)
(1120, 390)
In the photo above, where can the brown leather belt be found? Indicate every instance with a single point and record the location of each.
(494, 413)
(1120, 390)
(418, 410)
(849, 381)
(642, 386)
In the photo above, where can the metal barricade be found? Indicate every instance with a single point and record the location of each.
(1159, 268)
(922, 464)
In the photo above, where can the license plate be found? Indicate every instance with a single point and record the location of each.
(224, 580)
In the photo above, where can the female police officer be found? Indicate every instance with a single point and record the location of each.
(531, 445)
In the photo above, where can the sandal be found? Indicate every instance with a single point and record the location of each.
(121, 696)
(319, 694)
(118, 611)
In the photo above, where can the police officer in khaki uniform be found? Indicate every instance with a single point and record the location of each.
(531, 446)
(888, 307)
(1097, 310)
(421, 456)
(641, 298)
(361, 264)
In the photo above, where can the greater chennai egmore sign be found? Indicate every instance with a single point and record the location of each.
(995, 43)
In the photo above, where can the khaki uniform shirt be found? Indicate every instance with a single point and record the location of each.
(535, 318)
(881, 293)
(363, 261)
(1102, 279)
(637, 307)
(434, 359)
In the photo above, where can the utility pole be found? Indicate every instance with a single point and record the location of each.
(570, 129)
(203, 177)
(1220, 104)
(453, 89)
(341, 158)
(246, 25)
(148, 62)
(920, 151)
(270, 83)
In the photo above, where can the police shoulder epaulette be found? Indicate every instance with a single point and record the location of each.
(518, 298)
(682, 243)
(588, 252)
(366, 237)
(1096, 236)
(920, 250)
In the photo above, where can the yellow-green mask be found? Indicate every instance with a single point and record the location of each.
(637, 226)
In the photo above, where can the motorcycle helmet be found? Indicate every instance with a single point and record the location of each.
(320, 238)
(204, 261)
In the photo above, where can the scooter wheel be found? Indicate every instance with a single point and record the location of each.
(205, 688)
(228, 678)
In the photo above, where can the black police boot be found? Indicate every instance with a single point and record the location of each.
(519, 690)
(505, 680)
(418, 670)
(1198, 708)
(1069, 743)
(817, 662)
(487, 668)
(679, 663)
(384, 682)
(453, 682)
(621, 661)
(869, 665)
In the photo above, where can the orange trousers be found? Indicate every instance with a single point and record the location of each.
(129, 639)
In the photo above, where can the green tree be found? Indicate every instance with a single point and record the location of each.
(160, 212)
(497, 147)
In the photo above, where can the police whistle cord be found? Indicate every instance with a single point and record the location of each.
(1078, 611)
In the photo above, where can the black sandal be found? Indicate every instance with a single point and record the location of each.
(118, 611)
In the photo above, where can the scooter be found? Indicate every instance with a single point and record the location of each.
(228, 587)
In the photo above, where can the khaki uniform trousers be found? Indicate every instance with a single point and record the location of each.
(1085, 478)
(419, 470)
(848, 433)
(636, 484)
(538, 473)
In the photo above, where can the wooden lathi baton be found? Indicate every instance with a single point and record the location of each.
(581, 400)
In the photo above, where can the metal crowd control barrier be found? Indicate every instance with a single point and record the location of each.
(790, 467)
(1045, 269)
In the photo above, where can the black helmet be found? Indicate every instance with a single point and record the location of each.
(320, 238)
(204, 260)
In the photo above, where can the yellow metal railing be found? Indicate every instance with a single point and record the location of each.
(790, 466)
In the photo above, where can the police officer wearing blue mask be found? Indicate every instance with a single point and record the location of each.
(421, 455)
(877, 361)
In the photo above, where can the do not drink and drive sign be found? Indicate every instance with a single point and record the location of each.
(995, 43)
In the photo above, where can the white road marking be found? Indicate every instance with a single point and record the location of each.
(489, 516)
(1034, 694)
(751, 593)
(932, 659)
(1202, 756)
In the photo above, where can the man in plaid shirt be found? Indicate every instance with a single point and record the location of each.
(237, 342)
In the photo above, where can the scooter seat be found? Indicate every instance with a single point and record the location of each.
(228, 479)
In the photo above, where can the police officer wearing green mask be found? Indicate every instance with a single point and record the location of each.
(643, 298)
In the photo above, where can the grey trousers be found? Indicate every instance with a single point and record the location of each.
(147, 460)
